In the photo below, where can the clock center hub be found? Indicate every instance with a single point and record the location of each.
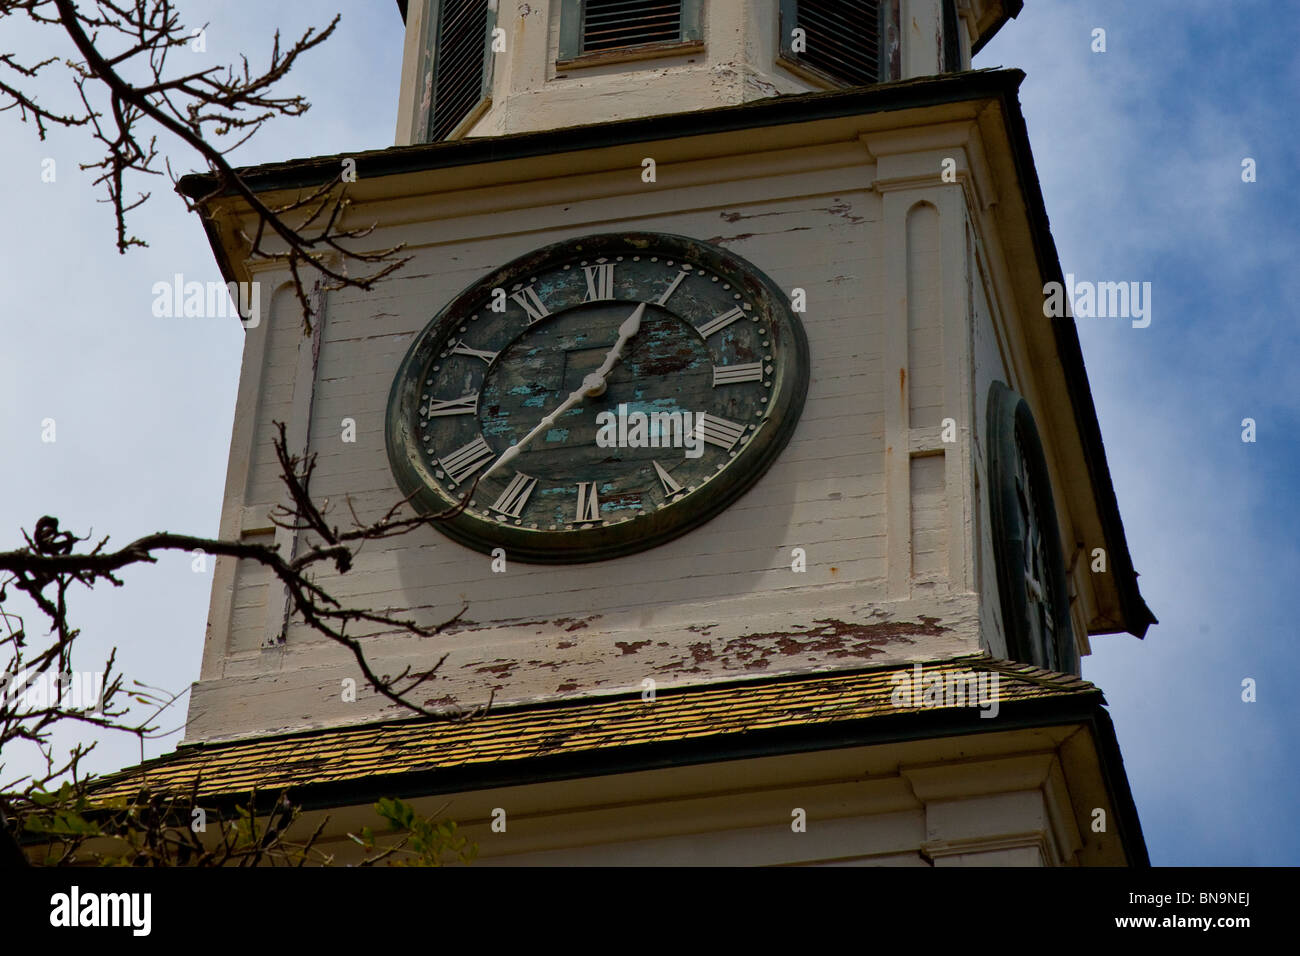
(663, 369)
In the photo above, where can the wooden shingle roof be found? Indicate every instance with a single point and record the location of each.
(709, 715)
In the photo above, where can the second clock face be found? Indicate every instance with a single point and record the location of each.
(1034, 592)
(600, 396)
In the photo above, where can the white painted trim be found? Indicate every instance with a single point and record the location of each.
(298, 442)
(408, 97)
(233, 513)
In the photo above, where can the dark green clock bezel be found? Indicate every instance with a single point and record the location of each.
(588, 544)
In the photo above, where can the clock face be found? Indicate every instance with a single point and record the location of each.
(1027, 543)
(597, 397)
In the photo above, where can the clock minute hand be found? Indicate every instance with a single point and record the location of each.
(574, 398)
(592, 385)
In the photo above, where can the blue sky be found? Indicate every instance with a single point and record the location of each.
(1139, 151)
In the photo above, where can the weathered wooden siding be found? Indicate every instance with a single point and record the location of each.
(886, 534)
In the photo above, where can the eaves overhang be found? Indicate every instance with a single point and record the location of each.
(954, 88)
(558, 741)
(1088, 715)
(1008, 10)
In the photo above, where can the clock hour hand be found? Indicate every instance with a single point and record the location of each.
(630, 327)
(592, 386)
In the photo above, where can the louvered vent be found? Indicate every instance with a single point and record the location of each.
(614, 24)
(842, 39)
(459, 64)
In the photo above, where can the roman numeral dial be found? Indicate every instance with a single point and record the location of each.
(460, 348)
(667, 482)
(600, 281)
(467, 459)
(667, 293)
(511, 502)
(532, 304)
(465, 405)
(623, 389)
(735, 374)
(720, 432)
(721, 321)
(588, 503)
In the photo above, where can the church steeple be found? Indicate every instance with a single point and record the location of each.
(490, 67)
(854, 530)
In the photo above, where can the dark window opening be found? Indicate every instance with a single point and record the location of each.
(596, 27)
(951, 50)
(840, 39)
(613, 24)
(459, 64)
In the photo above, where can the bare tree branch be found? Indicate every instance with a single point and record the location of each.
(124, 91)
(200, 109)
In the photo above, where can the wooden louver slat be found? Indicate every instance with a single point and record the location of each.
(459, 64)
(843, 39)
(612, 24)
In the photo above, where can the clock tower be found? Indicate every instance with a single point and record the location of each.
(788, 517)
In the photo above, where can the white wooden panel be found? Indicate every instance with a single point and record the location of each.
(729, 583)
(929, 518)
(925, 354)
